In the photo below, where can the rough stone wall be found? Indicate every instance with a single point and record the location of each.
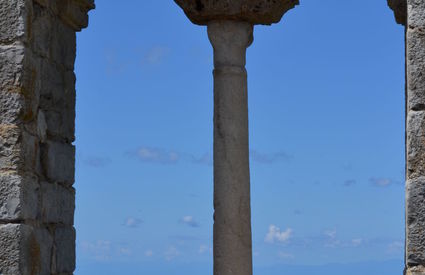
(37, 111)
(415, 138)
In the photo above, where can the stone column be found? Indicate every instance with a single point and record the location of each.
(232, 217)
(37, 110)
(415, 138)
(411, 13)
(230, 27)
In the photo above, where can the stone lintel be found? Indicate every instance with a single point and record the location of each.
(73, 12)
(400, 10)
(261, 12)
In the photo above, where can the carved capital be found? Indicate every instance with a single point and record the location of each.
(263, 12)
(400, 10)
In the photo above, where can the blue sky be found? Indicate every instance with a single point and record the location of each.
(326, 110)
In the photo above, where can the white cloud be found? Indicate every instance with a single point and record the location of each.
(171, 253)
(132, 222)
(156, 55)
(203, 249)
(332, 241)
(285, 256)
(190, 221)
(157, 155)
(383, 182)
(395, 247)
(331, 233)
(357, 242)
(100, 250)
(148, 253)
(269, 158)
(275, 234)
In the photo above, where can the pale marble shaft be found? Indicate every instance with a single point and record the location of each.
(232, 216)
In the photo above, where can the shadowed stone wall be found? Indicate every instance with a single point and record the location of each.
(37, 111)
(411, 13)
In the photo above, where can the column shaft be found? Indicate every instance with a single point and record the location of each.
(232, 216)
(415, 138)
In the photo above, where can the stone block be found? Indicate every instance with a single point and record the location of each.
(42, 26)
(58, 203)
(415, 144)
(415, 221)
(416, 12)
(65, 249)
(19, 197)
(58, 101)
(24, 250)
(19, 150)
(58, 161)
(415, 69)
(63, 45)
(416, 270)
(15, 19)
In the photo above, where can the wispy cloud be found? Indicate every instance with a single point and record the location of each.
(132, 222)
(349, 183)
(269, 158)
(382, 182)
(166, 156)
(96, 162)
(171, 253)
(190, 221)
(276, 235)
(204, 248)
(156, 55)
(285, 255)
(155, 155)
(100, 250)
(357, 242)
(115, 63)
(395, 247)
(149, 253)
(331, 239)
(206, 159)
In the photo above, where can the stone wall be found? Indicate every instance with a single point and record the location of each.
(37, 111)
(415, 138)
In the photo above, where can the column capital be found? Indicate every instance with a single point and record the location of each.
(400, 10)
(256, 12)
(73, 12)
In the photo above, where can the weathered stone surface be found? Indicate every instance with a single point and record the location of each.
(58, 204)
(65, 249)
(264, 12)
(415, 138)
(11, 239)
(415, 144)
(14, 16)
(415, 221)
(400, 10)
(43, 26)
(37, 113)
(18, 150)
(416, 270)
(73, 12)
(416, 12)
(24, 250)
(58, 101)
(232, 212)
(63, 45)
(19, 197)
(59, 162)
(415, 60)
